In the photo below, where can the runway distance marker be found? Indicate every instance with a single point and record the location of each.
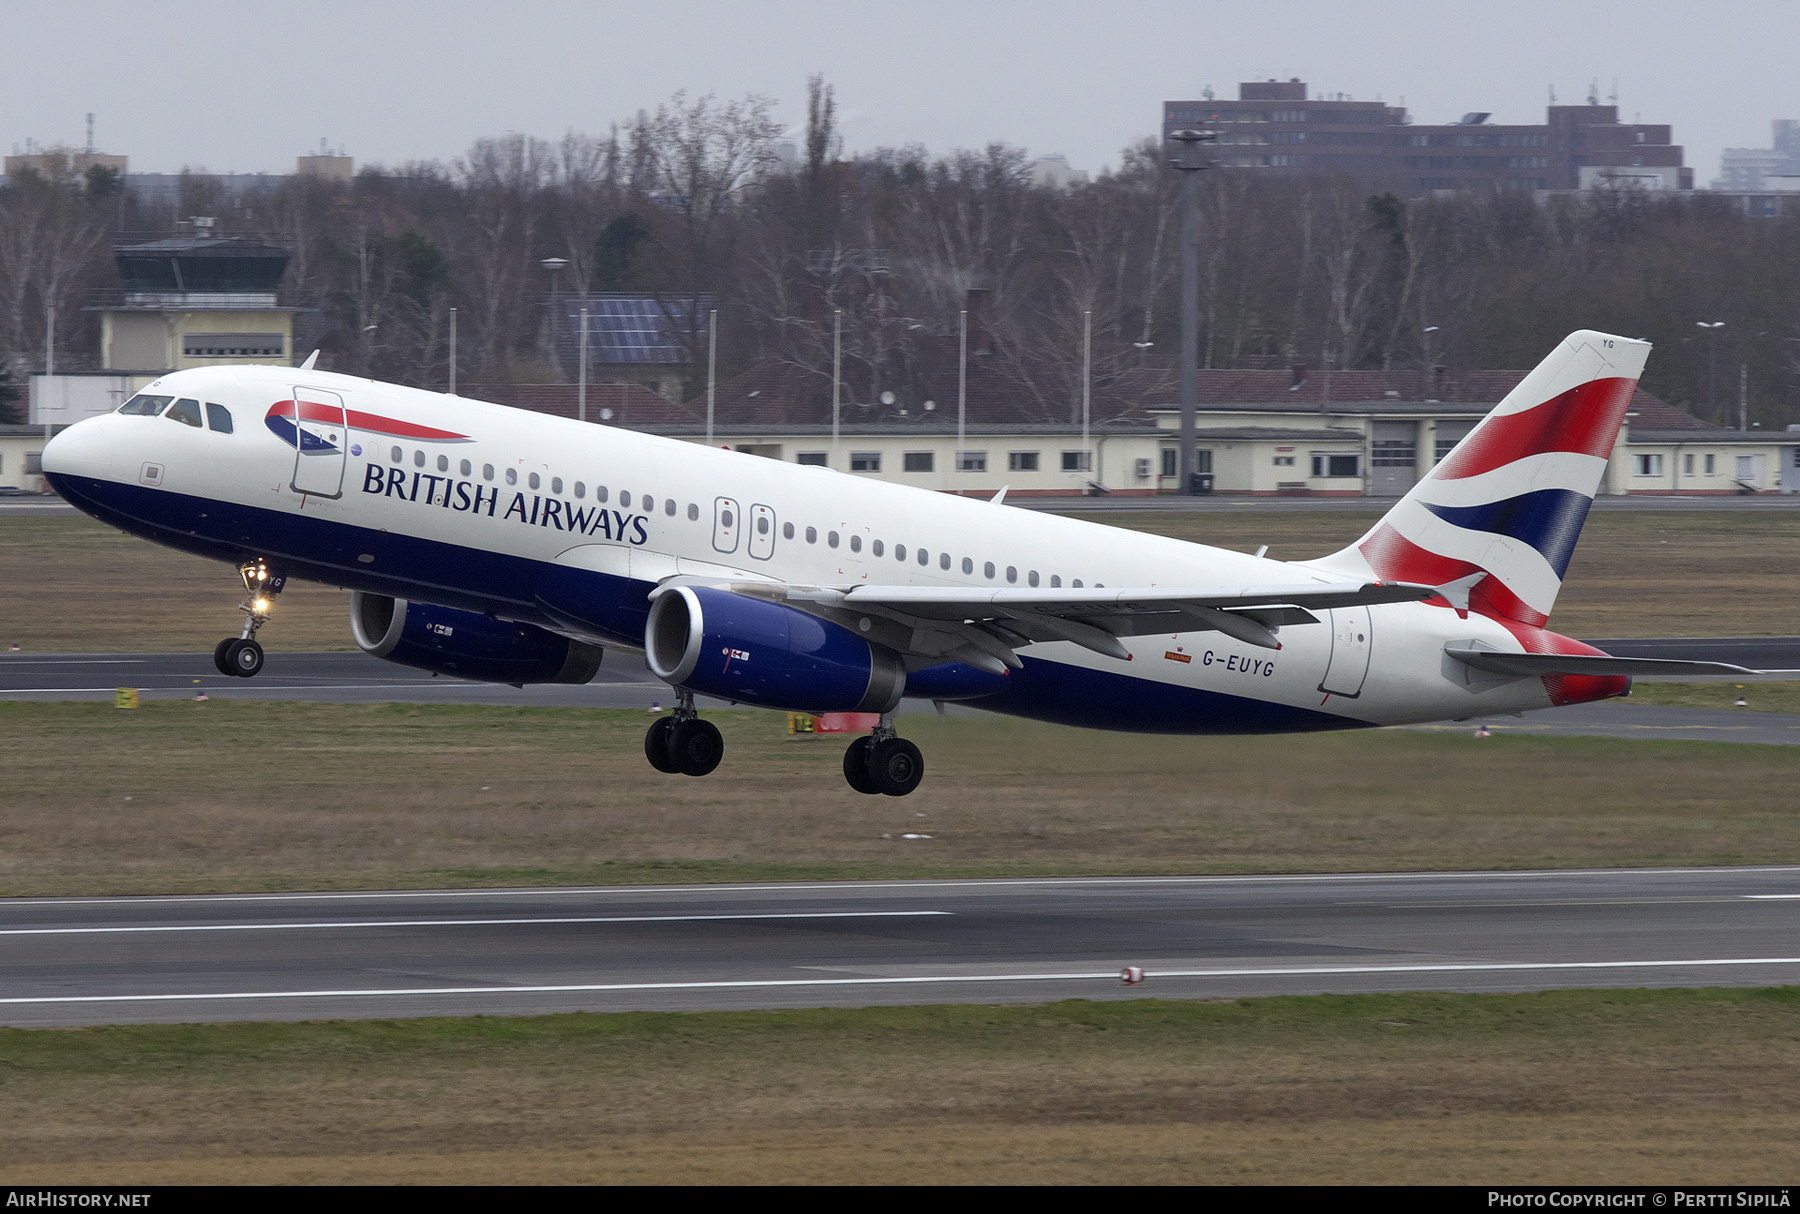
(924, 980)
(286, 927)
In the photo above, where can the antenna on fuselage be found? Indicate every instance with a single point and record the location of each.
(1000, 496)
(310, 360)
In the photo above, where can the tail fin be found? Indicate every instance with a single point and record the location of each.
(1510, 500)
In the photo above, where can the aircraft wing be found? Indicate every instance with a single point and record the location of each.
(1479, 657)
(984, 626)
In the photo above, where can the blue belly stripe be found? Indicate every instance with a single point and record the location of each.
(557, 596)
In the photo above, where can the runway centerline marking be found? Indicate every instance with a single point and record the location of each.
(288, 927)
(917, 980)
(1770, 897)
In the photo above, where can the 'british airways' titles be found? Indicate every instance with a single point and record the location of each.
(536, 511)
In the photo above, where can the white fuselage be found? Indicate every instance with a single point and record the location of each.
(472, 519)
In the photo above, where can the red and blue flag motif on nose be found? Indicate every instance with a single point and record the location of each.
(318, 428)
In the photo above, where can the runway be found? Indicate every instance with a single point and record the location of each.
(516, 952)
(624, 682)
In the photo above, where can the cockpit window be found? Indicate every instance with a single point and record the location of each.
(218, 417)
(185, 411)
(145, 406)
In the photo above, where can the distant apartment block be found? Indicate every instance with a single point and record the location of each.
(1274, 127)
(1747, 169)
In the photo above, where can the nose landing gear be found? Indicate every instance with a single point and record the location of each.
(683, 743)
(240, 656)
(883, 763)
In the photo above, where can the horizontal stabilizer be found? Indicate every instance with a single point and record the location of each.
(1524, 665)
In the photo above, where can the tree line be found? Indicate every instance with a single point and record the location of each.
(882, 250)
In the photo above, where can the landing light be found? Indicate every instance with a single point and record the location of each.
(262, 604)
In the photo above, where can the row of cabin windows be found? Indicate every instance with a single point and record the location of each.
(187, 411)
(966, 461)
(648, 503)
(920, 556)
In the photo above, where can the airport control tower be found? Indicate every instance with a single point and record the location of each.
(196, 301)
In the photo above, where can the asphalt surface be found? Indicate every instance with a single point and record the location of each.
(287, 957)
(624, 682)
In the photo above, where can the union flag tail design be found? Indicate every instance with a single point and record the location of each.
(1510, 500)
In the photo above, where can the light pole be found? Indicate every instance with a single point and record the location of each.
(962, 388)
(1087, 383)
(452, 351)
(837, 367)
(555, 265)
(712, 364)
(1427, 381)
(1189, 159)
(581, 391)
(1712, 333)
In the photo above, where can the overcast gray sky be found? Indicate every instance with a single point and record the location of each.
(227, 87)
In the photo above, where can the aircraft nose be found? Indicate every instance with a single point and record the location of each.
(84, 449)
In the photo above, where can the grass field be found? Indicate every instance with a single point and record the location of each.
(1662, 573)
(1614, 1087)
(185, 796)
(74, 585)
(1758, 697)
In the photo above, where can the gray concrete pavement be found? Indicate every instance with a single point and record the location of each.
(282, 957)
(624, 682)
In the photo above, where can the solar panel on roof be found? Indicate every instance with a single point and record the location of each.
(631, 328)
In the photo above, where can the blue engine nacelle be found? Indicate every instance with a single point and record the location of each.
(757, 652)
(465, 644)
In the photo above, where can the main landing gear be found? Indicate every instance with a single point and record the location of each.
(683, 743)
(240, 656)
(883, 762)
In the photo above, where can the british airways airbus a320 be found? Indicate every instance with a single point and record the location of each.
(488, 543)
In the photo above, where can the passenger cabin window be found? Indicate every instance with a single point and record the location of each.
(831, 539)
(943, 560)
(532, 480)
(968, 565)
(145, 406)
(875, 547)
(787, 531)
(1032, 577)
(443, 463)
(396, 455)
(599, 493)
(512, 476)
(1012, 574)
(624, 497)
(693, 513)
(466, 467)
(487, 472)
(418, 459)
(812, 535)
(669, 509)
(556, 484)
(899, 552)
(855, 542)
(218, 417)
(185, 411)
(988, 569)
(580, 489)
